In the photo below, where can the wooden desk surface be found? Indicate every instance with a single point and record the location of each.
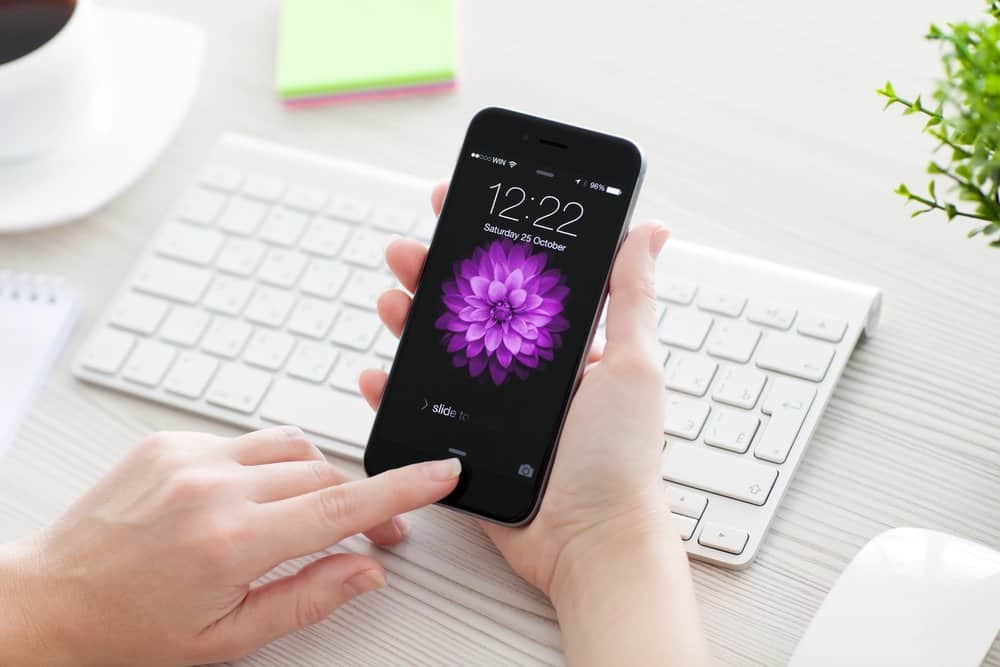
(763, 136)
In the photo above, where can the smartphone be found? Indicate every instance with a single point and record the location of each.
(506, 307)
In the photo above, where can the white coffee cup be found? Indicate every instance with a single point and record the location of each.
(47, 94)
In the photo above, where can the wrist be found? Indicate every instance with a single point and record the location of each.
(29, 636)
(614, 554)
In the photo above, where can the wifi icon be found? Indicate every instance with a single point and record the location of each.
(512, 164)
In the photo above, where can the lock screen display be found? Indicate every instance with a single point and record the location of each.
(504, 309)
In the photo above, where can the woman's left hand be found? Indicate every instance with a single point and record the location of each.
(154, 565)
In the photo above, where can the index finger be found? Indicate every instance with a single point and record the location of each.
(312, 522)
(437, 196)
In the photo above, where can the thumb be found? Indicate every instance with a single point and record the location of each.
(631, 323)
(291, 603)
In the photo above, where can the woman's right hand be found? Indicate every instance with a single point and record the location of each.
(603, 538)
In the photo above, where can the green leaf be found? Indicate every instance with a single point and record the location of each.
(950, 211)
(887, 90)
(921, 212)
(963, 170)
(901, 189)
(934, 168)
(930, 189)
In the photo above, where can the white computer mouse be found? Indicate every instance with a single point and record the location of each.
(910, 597)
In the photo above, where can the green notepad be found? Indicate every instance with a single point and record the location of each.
(336, 48)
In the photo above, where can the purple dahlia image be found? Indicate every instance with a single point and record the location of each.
(503, 311)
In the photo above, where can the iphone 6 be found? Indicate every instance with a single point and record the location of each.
(506, 308)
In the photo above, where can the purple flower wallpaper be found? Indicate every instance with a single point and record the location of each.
(503, 311)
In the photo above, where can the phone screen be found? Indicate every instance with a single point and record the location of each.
(505, 308)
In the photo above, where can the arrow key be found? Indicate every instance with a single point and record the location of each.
(723, 538)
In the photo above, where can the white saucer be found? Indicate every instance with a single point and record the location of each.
(152, 65)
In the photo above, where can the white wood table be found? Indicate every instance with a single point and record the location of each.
(764, 136)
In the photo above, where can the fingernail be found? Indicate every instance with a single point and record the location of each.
(444, 470)
(292, 431)
(656, 241)
(363, 582)
(401, 525)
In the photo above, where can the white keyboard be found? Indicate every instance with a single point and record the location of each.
(254, 304)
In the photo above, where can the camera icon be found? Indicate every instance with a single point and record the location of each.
(525, 470)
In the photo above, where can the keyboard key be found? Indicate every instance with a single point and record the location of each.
(243, 216)
(268, 349)
(228, 295)
(238, 387)
(170, 279)
(685, 526)
(346, 372)
(348, 208)
(723, 302)
(686, 502)
(386, 344)
(184, 325)
(220, 177)
(312, 318)
(282, 267)
(226, 337)
(739, 386)
(270, 306)
(263, 188)
(366, 248)
(323, 278)
(424, 230)
(731, 430)
(196, 245)
(190, 374)
(684, 416)
(107, 350)
(306, 199)
(771, 314)
(364, 288)
(138, 313)
(675, 289)
(200, 206)
(733, 340)
(320, 410)
(240, 256)
(822, 326)
(689, 373)
(723, 538)
(325, 237)
(784, 391)
(148, 362)
(283, 226)
(356, 328)
(684, 328)
(794, 355)
(718, 472)
(312, 361)
(397, 221)
(780, 433)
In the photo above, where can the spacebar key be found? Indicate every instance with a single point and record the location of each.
(319, 409)
(724, 474)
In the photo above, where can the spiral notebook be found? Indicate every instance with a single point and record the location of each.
(36, 315)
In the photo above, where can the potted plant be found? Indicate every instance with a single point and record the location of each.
(964, 118)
